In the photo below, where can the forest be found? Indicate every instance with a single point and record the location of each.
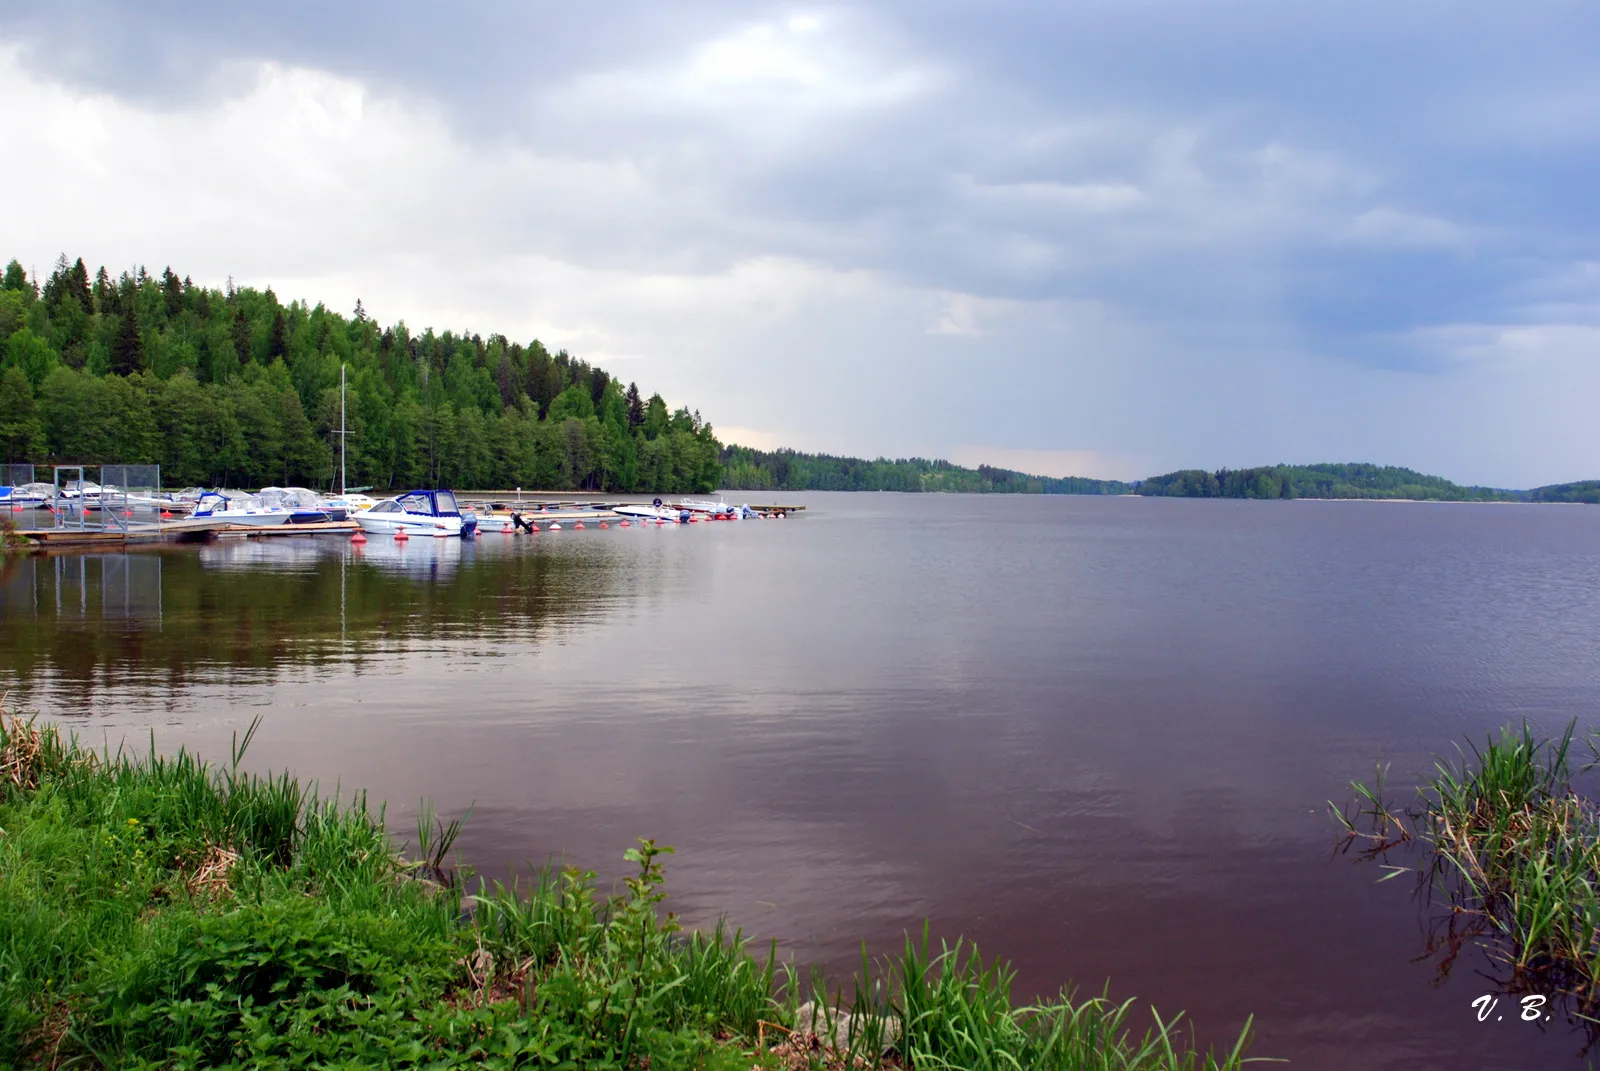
(745, 469)
(1318, 481)
(1587, 491)
(235, 388)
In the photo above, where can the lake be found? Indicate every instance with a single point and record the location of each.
(1099, 736)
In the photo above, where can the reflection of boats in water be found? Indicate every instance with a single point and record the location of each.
(432, 513)
(418, 558)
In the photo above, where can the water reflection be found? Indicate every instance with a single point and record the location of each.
(261, 607)
(1098, 735)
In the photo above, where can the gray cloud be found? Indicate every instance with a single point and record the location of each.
(1165, 231)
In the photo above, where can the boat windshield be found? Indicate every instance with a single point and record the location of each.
(416, 504)
(447, 501)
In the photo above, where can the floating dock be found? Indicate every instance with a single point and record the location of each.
(188, 529)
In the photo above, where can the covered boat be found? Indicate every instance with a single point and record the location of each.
(304, 506)
(238, 507)
(27, 496)
(418, 513)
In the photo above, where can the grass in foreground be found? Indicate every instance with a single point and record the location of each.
(159, 912)
(1512, 848)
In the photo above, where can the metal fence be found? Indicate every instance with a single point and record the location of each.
(15, 475)
(115, 498)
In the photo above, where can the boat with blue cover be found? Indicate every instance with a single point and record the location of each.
(419, 512)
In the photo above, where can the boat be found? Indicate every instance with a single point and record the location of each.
(238, 508)
(419, 512)
(653, 512)
(350, 501)
(27, 496)
(717, 510)
(304, 505)
(80, 489)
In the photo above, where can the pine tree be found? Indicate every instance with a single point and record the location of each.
(241, 337)
(56, 285)
(127, 349)
(172, 293)
(635, 406)
(78, 286)
(278, 340)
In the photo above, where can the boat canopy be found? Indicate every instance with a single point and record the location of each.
(429, 503)
(291, 497)
(220, 499)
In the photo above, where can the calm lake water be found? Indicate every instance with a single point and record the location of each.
(1097, 735)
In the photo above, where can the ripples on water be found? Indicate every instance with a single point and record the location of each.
(1097, 734)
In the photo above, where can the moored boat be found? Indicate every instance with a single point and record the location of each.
(237, 508)
(653, 512)
(418, 512)
(304, 506)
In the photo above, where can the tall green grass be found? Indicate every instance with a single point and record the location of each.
(1511, 847)
(158, 911)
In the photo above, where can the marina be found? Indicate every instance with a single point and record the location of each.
(128, 508)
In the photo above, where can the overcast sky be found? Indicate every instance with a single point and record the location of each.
(1109, 238)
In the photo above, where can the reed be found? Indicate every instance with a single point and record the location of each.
(1504, 838)
(157, 911)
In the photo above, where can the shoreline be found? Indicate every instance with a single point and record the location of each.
(158, 908)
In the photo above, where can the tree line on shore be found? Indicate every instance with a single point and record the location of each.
(745, 469)
(1317, 481)
(234, 387)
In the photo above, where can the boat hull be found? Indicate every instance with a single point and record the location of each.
(413, 523)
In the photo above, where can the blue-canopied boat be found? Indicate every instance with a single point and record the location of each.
(420, 512)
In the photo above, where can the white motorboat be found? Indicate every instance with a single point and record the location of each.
(27, 496)
(419, 512)
(653, 512)
(238, 508)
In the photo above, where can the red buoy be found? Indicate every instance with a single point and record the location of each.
(624, 524)
(578, 525)
(400, 533)
(603, 524)
(164, 515)
(358, 537)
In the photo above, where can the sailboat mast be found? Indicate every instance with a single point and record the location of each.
(341, 430)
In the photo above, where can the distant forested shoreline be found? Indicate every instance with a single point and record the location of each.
(233, 387)
(745, 469)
